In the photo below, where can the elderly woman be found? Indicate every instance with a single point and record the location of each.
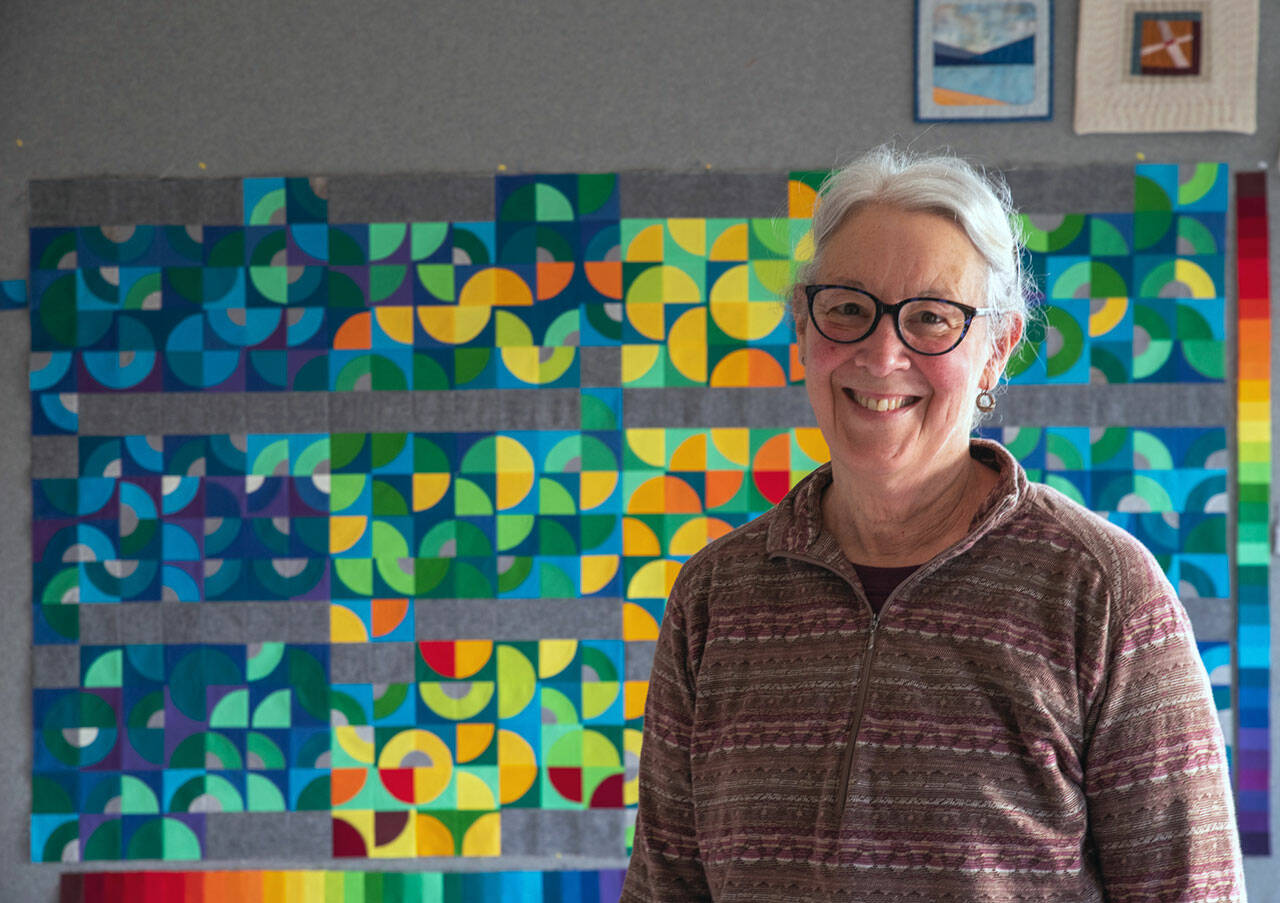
(921, 677)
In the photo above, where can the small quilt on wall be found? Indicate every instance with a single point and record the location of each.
(990, 59)
(1167, 66)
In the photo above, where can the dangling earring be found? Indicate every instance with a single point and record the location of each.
(985, 401)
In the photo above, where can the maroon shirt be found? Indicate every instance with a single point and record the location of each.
(877, 583)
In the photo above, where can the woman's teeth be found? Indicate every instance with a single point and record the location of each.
(881, 404)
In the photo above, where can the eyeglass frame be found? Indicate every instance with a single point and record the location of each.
(969, 312)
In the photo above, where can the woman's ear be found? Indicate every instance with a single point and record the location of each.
(1003, 348)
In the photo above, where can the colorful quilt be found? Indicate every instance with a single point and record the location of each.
(356, 501)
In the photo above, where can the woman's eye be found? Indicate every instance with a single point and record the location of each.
(850, 309)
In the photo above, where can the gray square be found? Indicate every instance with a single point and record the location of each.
(308, 412)
(1204, 404)
(177, 202)
(308, 621)
(454, 619)
(54, 457)
(435, 411)
(181, 622)
(201, 413)
(548, 832)
(529, 409)
(593, 618)
(223, 622)
(391, 663)
(1096, 188)
(349, 412)
(639, 659)
(55, 667)
(518, 409)
(49, 202)
(709, 194)
(1211, 619)
(142, 622)
(116, 202)
(102, 413)
(601, 366)
(221, 202)
(186, 415)
(392, 412)
(265, 412)
(262, 835)
(100, 623)
(88, 203)
(215, 202)
(349, 663)
(265, 622)
(398, 199)
(132, 201)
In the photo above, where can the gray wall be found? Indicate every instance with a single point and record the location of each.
(236, 88)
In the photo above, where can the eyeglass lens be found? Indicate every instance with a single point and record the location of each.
(926, 325)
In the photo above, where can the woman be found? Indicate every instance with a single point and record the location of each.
(920, 677)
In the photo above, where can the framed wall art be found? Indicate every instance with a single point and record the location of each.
(984, 59)
(1167, 66)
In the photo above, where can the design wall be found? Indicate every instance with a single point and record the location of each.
(356, 501)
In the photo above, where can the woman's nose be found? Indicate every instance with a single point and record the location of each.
(882, 352)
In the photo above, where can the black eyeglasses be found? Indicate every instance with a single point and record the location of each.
(846, 315)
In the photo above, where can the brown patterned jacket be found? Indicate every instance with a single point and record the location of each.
(1030, 715)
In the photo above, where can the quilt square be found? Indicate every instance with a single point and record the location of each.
(1166, 43)
(1167, 66)
(983, 59)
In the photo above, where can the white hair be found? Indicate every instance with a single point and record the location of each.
(976, 201)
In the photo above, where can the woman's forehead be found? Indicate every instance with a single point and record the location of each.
(879, 243)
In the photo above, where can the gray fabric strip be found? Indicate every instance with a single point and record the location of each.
(699, 407)
(591, 618)
(400, 199)
(201, 413)
(548, 832)
(205, 622)
(102, 414)
(1096, 188)
(284, 836)
(1134, 404)
(119, 202)
(660, 195)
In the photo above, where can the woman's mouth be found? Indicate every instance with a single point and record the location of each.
(881, 403)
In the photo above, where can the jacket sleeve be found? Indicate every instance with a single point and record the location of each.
(1161, 815)
(665, 862)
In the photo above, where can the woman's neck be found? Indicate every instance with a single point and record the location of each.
(903, 519)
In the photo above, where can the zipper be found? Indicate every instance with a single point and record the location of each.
(855, 722)
(850, 754)
(864, 677)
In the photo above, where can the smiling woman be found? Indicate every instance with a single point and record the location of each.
(921, 676)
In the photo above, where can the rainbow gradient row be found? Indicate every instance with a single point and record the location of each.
(339, 887)
(1253, 750)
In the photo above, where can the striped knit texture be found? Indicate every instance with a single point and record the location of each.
(1034, 724)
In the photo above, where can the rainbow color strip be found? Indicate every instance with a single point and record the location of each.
(340, 886)
(1253, 547)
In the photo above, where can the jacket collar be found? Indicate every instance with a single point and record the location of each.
(796, 525)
